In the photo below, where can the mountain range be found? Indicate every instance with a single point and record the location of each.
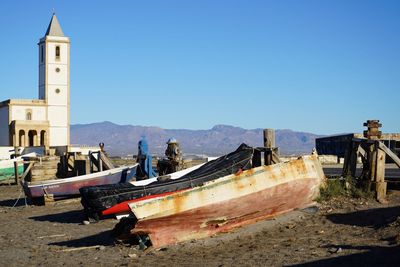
(121, 140)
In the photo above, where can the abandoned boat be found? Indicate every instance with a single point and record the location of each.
(228, 202)
(69, 187)
(112, 199)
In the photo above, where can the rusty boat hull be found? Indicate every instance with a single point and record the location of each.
(229, 202)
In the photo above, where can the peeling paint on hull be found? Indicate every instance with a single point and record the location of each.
(229, 202)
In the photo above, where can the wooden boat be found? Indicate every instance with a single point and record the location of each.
(69, 187)
(228, 202)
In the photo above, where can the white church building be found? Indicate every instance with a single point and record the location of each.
(44, 121)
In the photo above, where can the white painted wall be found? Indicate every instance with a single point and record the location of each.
(19, 112)
(58, 116)
(4, 126)
(55, 77)
(60, 98)
(58, 136)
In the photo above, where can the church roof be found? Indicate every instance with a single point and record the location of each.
(54, 28)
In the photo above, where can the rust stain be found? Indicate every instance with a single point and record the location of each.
(250, 172)
(217, 222)
(239, 172)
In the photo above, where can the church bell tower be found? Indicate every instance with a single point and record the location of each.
(54, 82)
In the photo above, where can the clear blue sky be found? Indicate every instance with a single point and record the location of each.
(317, 66)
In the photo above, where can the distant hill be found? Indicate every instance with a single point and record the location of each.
(122, 140)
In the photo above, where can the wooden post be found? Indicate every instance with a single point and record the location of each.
(16, 172)
(256, 158)
(269, 138)
(381, 185)
(353, 159)
(91, 161)
(269, 142)
(350, 160)
(372, 162)
(100, 162)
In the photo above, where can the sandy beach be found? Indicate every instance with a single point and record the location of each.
(343, 232)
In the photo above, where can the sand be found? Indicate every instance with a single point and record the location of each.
(345, 232)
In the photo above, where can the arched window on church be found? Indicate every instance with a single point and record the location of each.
(58, 52)
(29, 115)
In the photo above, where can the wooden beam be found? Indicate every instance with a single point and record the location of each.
(275, 155)
(107, 164)
(390, 153)
(361, 151)
(363, 140)
(269, 142)
(27, 171)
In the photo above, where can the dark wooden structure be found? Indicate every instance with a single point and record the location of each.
(337, 145)
(373, 153)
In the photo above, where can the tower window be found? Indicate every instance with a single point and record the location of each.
(41, 53)
(57, 52)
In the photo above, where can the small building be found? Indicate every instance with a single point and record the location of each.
(44, 121)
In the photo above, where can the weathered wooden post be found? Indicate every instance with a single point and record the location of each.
(377, 159)
(350, 160)
(380, 184)
(100, 162)
(269, 142)
(16, 172)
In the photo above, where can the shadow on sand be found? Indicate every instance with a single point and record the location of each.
(375, 218)
(104, 239)
(375, 256)
(16, 202)
(371, 255)
(74, 216)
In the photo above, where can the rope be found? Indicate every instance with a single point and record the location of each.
(144, 188)
(19, 197)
